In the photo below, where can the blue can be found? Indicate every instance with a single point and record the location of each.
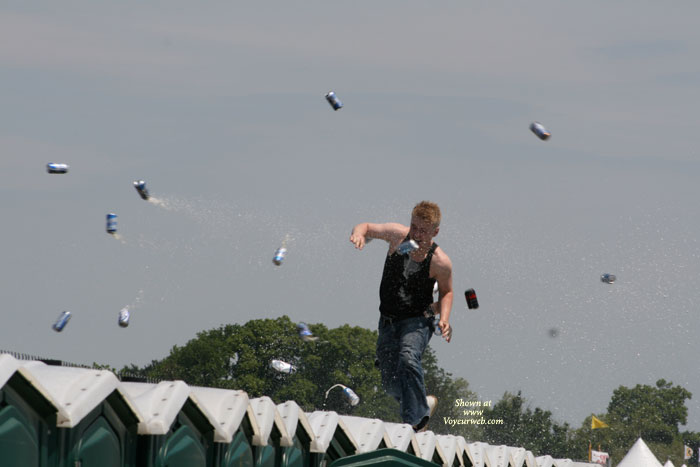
(111, 223)
(55, 168)
(437, 331)
(62, 321)
(303, 330)
(140, 186)
(407, 247)
(538, 129)
(608, 278)
(279, 256)
(305, 333)
(333, 100)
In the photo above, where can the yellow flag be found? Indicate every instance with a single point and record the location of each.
(596, 423)
(688, 452)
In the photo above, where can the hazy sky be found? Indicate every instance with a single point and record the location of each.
(220, 108)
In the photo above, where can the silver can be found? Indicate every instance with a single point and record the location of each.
(279, 256)
(538, 129)
(352, 398)
(55, 168)
(140, 186)
(333, 100)
(608, 278)
(111, 223)
(61, 321)
(407, 247)
(283, 367)
(124, 317)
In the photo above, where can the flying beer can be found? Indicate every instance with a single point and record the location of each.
(538, 129)
(283, 367)
(333, 100)
(352, 398)
(124, 317)
(61, 321)
(472, 302)
(111, 223)
(140, 186)
(407, 247)
(55, 168)
(279, 256)
(608, 278)
(305, 333)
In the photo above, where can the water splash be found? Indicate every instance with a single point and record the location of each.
(119, 237)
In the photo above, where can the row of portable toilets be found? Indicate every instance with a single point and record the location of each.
(56, 415)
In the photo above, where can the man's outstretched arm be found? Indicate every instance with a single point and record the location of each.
(391, 232)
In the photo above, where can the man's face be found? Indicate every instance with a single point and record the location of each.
(422, 231)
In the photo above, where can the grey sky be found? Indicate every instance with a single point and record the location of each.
(219, 108)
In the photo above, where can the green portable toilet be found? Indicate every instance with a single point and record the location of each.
(530, 460)
(383, 457)
(516, 456)
(96, 421)
(369, 433)
(235, 425)
(27, 418)
(403, 437)
(332, 436)
(475, 453)
(496, 456)
(273, 438)
(176, 430)
(430, 449)
(451, 449)
(305, 447)
(463, 443)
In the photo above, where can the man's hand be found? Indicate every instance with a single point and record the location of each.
(358, 240)
(446, 330)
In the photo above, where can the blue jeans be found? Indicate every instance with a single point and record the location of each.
(399, 350)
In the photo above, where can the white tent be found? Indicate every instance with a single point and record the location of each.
(639, 455)
(669, 464)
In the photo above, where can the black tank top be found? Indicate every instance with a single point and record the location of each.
(406, 289)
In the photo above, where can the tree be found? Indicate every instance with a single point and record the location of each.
(653, 413)
(454, 398)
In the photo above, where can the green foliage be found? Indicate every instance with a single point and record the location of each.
(448, 390)
(99, 366)
(654, 413)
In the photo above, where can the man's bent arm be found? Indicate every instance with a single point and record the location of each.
(444, 279)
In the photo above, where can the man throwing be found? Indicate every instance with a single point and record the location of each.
(406, 306)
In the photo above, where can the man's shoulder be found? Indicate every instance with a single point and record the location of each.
(441, 259)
